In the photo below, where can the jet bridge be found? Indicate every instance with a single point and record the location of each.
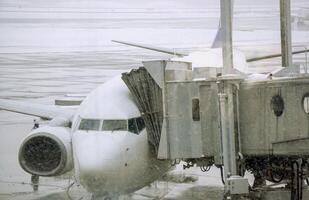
(185, 113)
(218, 116)
(185, 118)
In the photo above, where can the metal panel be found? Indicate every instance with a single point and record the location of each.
(238, 185)
(210, 121)
(177, 65)
(162, 70)
(206, 72)
(291, 147)
(178, 75)
(156, 70)
(260, 127)
(184, 134)
(163, 152)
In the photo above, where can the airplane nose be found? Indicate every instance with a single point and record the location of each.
(98, 160)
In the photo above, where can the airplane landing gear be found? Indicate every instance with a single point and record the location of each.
(35, 182)
(112, 198)
(105, 198)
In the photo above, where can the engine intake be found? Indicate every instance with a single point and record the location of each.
(47, 152)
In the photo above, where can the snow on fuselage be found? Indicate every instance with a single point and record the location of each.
(111, 156)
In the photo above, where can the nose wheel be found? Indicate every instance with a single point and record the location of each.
(105, 198)
(35, 182)
(112, 198)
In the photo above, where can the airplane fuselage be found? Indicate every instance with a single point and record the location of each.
(110, 157)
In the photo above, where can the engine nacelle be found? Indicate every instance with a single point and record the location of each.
(47, 151)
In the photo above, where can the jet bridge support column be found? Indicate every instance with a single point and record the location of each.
(228, 97)
(227, 133)
(226, 26)
(285, 25)
(226, 93)
(234, 184)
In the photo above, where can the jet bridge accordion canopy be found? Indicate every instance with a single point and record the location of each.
(148, 98)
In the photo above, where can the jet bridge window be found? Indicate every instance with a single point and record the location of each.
(306, 103)
(89, 124)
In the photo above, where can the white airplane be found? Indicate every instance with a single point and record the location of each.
(105, 139)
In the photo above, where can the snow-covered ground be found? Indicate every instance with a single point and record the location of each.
(51, 48)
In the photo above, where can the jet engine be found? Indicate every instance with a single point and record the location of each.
(47, 151)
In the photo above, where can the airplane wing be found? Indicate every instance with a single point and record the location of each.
(216, 44)
(153, 48)
(38, 110)
(274, 56)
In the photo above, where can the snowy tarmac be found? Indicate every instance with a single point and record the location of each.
(51, 49)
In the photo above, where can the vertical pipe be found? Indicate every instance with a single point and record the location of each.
(228, 130)
(224, 134)
(226, 26)
(226, 99)
(231, 128)
(285, 27)
(306, 56)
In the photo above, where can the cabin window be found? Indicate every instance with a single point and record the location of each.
(114, 125)
(89, 124)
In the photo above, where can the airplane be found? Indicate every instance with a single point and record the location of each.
(105, 140)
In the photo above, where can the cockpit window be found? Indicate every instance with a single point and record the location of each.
(114, 125)
(136, 125)
(133, 126)
(89, 124)
(140, 123)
